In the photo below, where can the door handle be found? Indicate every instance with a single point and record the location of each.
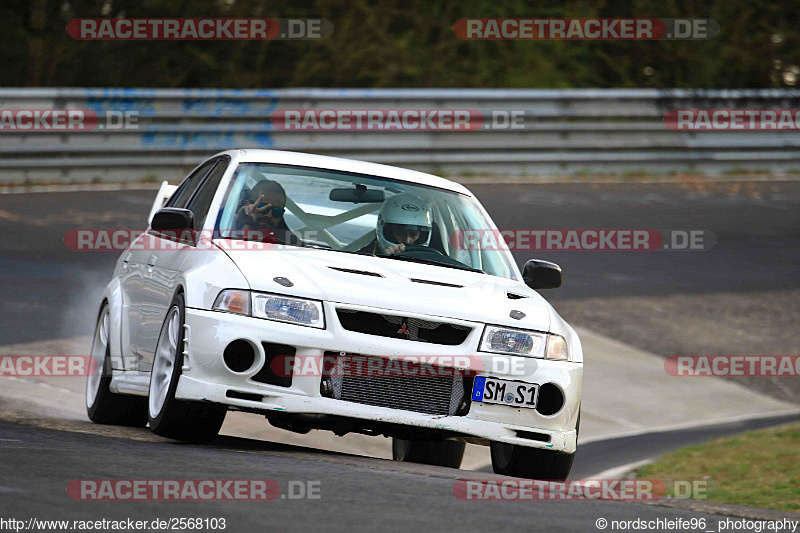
(151, 263)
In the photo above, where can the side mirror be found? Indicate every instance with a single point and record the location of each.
(172, 219)
(541, 274)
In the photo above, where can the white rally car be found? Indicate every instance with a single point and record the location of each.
(349, 260)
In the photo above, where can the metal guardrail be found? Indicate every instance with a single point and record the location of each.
(565, 132)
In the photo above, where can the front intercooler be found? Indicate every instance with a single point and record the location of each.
(420, 391)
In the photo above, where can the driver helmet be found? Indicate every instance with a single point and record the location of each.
(403, 211)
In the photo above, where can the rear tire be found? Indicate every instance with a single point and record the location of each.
(169, 417)
(447, 453)
(102, 405)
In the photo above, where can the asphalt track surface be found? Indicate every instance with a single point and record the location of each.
(756, 224)
(355, 493)
(49, 292)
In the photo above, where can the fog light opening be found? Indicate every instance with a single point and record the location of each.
(239, 356)
(551, 399)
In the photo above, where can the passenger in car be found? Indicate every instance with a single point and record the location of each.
(261, 216)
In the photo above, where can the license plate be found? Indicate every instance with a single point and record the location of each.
(504, 392)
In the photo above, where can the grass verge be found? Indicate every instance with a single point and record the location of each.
(757, 468)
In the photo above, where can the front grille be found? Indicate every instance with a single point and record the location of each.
(398, 327)
(418, 392)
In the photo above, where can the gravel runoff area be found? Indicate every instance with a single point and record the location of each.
(702, 324)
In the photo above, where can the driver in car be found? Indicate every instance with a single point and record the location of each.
(261, 216)
(404, 220)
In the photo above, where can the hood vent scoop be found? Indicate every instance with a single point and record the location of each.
(440, 283)
(359, 272)
(513, 296)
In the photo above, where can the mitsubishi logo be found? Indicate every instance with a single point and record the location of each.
(403, 330)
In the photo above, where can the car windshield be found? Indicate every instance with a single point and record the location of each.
(339, 211)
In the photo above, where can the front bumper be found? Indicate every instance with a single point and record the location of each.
(205, 377)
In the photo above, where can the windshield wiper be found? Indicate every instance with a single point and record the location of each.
(459, 266)
(356, 252)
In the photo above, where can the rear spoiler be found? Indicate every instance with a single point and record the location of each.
(164, 193)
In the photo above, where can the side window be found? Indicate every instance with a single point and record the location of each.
(189, 185)
(202, 199)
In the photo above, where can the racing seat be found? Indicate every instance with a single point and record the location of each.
(436, 239)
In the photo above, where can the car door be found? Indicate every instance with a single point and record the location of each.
(140, 316)
(162, 272)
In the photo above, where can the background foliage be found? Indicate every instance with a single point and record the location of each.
(402, 44)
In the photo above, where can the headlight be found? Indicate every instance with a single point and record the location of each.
(233, 301)
(497, 339)
(272, 307)
(513, 341)
(286, 309)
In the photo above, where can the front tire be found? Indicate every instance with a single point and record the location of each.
(169, 417)
(533, 463)
(102, 405)
(447, 453)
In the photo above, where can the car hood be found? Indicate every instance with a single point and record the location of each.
(387, 284)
